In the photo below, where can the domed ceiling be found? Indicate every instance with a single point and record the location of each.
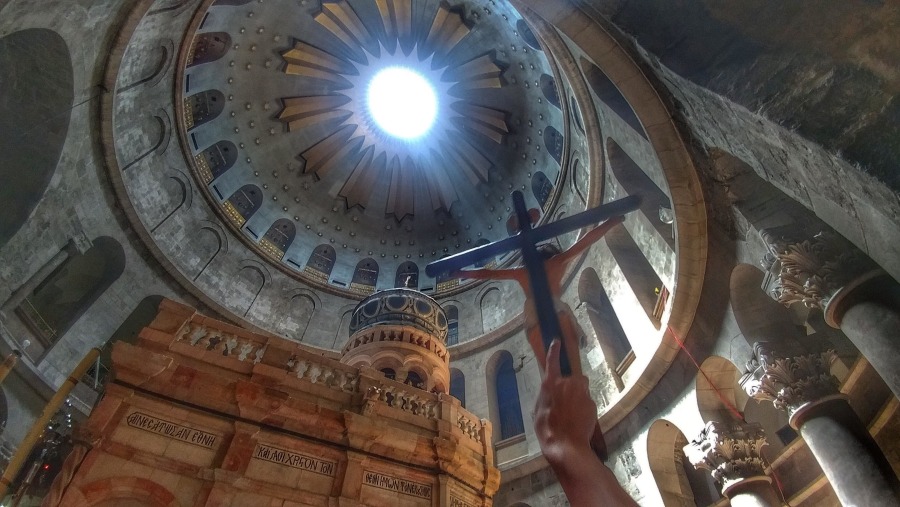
(279, 115)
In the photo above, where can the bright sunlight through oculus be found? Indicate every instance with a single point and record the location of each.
(402, 102)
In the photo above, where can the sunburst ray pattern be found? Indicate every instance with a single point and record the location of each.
(416, 173)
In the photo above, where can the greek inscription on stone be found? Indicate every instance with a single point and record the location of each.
(456, 502)
(398, 485)
(171, 430)
(295, 460)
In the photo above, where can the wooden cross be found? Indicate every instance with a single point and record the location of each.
(538, 287)
(526, 241)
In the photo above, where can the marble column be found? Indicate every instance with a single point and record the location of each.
(731, 452)
(803, 385)
(825, 271)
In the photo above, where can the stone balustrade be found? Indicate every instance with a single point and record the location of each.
(398, 334)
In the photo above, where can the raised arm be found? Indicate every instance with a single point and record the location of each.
(564, 419)
(587, 240)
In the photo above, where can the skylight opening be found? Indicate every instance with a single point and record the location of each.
(402, 102)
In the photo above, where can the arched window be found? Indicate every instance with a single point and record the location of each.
(527, 34)
(458, 386)
(243, 204)
(278, 238)
(209, 47)
(31, 155)
(643, 279)
(610, 95)
(215, 160)
(63, 297)
(389, 373)
(491, 315)
(548, 86)
(509, 410)
(553, 140)
(365, 277)
(452, 325)
(576, 113)
(415, 380)
(678, 481)
(613, 342)
(321, 262)
(634, 181)
(407, 276)
(203, 107)
(541, 187)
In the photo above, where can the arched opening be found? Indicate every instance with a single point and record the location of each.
(504, 397)
(542, 188)
(216, 160)
(718, 391)
(611, 337)
(407, 276)
(655, 204)
(452, 325)
(389, 373)
(321, 262)
(489, 302)
(365, 277)
(610, 95)
(64, 296)
(32, 132)
(527, 34)
(679, 483)
(415, 380)
(243, 204)
(548, 87)
(204, 107)
(278, 238)
(458, 386)
(554, 143)
(209, 47)
(646, 284)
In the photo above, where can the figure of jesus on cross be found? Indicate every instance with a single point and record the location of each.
(565, 416)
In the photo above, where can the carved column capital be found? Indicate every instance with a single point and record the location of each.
(809, 268)
(789, 382)
(730, 451)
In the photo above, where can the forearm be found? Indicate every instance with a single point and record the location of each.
(587, 482)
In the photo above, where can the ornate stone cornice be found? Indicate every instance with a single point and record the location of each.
(730, 451)
(789, 382)
(809, 269)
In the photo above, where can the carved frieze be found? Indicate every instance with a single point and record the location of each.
(789, 382)
(730, 451)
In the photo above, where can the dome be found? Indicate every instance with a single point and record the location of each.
(283, 122)
(401, 307)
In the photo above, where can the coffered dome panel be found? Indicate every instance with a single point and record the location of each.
(286, 110)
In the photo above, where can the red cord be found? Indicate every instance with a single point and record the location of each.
(737, 413)
(727, 403)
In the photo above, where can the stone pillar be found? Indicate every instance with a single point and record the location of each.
(731, 452)
(827, 272)
(804, 387)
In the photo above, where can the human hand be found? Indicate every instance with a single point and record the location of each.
(565, 415)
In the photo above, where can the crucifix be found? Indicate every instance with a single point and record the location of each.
(541, 277)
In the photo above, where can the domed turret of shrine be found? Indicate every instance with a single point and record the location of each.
(403, 334)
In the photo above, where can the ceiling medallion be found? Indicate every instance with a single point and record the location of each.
(420, 168)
